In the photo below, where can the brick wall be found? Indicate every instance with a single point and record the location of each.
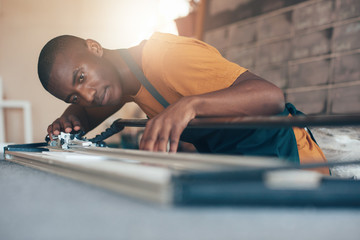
(311, 49)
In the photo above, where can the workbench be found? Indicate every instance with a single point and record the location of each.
(39, 205)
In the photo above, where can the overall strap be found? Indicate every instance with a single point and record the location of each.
(141, 77)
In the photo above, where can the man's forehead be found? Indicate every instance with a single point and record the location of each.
(62, 60)
(61, 75)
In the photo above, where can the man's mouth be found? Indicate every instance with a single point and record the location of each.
(105, 97)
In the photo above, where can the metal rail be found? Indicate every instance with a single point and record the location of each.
(259, 122)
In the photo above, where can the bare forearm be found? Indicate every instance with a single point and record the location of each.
(247, 98)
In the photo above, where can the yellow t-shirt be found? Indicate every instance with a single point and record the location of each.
(179, 66)
(309, 151)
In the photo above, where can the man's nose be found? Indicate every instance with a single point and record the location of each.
(88, 94)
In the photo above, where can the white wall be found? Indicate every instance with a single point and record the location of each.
(26, 25)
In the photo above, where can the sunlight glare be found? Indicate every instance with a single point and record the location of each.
(172, 9)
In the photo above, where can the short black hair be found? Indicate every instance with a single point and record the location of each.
(48, 54)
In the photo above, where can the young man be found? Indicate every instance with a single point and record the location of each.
(190, 75)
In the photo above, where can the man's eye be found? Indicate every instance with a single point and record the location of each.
(81, 78)
(75, 99)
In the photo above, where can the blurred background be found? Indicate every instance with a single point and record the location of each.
(309, 48)
(25, 26)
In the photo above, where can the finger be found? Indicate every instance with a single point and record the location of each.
(76, 124)
(56, 127)
(175, 138)
(149, 137)
(174, 143)
(49, 129)
(163, 138)
(161, 143)
(142, 140)
(50, 132)
(147, 143)
(66, 124)
(156, 146)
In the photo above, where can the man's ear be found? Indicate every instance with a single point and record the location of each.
(94, 47)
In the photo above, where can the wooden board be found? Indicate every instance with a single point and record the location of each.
(186, 179)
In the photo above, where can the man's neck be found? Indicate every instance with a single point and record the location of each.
(130, 83)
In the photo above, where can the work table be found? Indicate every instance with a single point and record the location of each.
(39, 205)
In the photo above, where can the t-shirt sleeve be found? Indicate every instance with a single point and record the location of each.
(191, 67)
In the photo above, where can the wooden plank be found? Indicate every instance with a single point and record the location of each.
(185, 161)
(141, 174)
(129, 172)
(143, 182)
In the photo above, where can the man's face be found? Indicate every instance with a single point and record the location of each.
(81, 77)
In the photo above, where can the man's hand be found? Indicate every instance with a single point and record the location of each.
(77, 117)
(168, 125)
(64, 124)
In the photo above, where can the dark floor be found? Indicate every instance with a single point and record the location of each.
(39, 205)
